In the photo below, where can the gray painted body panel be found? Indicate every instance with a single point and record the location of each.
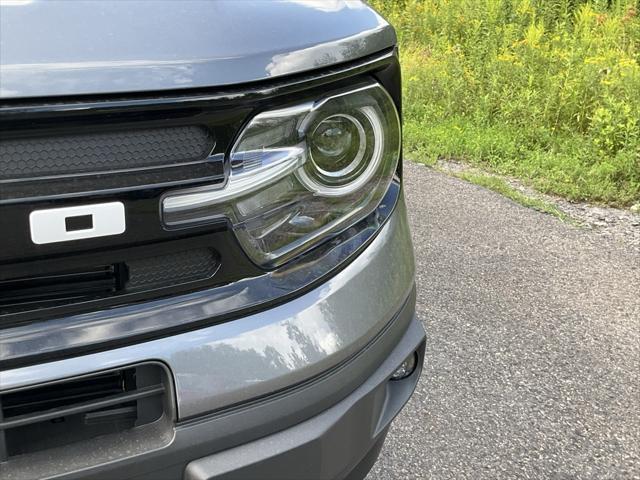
(342, 433)
(88, 47)
(239, 360)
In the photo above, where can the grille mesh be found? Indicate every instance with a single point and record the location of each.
(144, 274)
(102, 152)
(172, 269)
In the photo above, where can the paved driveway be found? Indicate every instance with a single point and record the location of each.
(533, 353)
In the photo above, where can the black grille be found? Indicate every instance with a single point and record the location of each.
(15, 190)
(75, 410)
(41, 291)
(176, 268)
(102, 152)
(50, 289)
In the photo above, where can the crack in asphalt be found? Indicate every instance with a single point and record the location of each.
(532, 367)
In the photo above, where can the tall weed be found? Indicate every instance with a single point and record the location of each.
(548, 90)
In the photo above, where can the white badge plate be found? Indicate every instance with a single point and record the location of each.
(75, 223)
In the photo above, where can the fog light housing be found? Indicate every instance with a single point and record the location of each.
(406, 368)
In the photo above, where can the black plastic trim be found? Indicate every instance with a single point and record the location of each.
(23, 420)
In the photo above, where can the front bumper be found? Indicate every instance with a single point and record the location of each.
(314, 369)
(341, 442)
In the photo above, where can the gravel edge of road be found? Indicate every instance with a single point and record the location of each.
(622, 225)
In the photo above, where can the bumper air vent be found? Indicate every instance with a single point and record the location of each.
(80, 409)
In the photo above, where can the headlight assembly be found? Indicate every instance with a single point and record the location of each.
(301, 174)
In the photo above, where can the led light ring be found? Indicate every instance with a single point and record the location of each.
(376, 158)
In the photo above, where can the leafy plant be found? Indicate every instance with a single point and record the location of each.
(546, 90)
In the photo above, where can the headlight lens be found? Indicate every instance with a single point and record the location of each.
(338, 146)
(300, 174)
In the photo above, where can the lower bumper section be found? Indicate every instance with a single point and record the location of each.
(342, 442)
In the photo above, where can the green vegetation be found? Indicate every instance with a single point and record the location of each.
(499, 185)
(544, 90)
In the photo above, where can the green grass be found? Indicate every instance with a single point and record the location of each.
(547, 91)
(500, 186)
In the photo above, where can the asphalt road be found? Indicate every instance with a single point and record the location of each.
(533, 344)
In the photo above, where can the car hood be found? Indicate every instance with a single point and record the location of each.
(74, 48)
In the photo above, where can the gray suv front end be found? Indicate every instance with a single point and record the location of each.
(206, 269)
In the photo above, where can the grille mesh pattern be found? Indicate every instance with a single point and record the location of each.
(174, 269)
(98, 152)
(145, 274)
